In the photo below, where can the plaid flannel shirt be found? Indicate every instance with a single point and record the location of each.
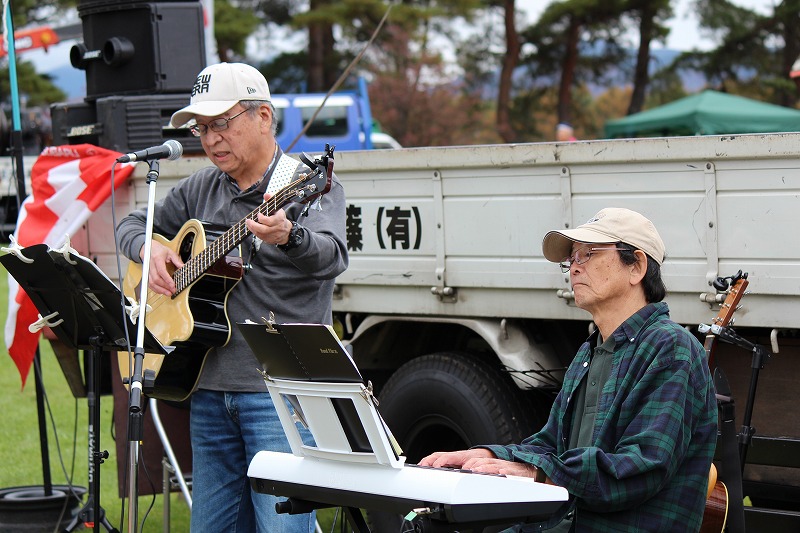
(653, 438)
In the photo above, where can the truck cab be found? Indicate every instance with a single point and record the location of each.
(344, 121)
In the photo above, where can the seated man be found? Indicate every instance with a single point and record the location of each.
(632, 433)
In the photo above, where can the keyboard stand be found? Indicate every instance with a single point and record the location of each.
(300, 506)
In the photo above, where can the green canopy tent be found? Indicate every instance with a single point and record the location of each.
(706, 113)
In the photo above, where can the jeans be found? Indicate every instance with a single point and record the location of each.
(227, 430)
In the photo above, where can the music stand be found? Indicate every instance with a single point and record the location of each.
(83, 308)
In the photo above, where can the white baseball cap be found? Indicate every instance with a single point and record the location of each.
(219, 87)
(610, 225)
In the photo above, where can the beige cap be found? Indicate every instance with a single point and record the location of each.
(219, 87)
(610, 225)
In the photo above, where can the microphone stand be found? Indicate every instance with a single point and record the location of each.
(135, 416)
(760, 358)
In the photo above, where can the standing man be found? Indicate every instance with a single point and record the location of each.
(632, 433)
(291, 264)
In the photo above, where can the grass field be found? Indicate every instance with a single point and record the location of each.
(20, 450)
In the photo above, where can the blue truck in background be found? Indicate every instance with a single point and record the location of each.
(128, 123)
(345, 121)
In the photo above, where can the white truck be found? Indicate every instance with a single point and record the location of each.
(465, 329)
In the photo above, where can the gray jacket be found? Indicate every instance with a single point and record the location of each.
(297, 286)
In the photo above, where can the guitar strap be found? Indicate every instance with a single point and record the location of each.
(283, 174)
(728, 453)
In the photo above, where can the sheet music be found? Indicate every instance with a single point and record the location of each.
(65, 284)
(301, 352)
(312, 353)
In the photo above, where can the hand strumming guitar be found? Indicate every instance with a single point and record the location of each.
(163, 262)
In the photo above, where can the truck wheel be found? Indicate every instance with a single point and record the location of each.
(451, 401)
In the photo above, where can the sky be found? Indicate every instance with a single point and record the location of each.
(684, 34)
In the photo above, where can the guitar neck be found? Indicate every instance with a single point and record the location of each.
(200, 263)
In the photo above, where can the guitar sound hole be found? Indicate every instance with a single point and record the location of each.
(185, 250)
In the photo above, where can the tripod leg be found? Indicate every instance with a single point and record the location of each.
(92, 515)
(106, 524)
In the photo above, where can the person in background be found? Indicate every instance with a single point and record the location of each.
(291, 265)
(632, 432)
(565, 133)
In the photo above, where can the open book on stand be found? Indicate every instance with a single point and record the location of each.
(300, 352)
(313, 353)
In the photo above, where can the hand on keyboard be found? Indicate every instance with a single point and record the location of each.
(451, 469)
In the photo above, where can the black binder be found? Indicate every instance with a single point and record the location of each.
(300, 352)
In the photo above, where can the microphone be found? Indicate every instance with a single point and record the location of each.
(170, 150)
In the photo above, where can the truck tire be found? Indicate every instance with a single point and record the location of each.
(451, 401)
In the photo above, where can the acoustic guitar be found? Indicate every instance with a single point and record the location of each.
(194, 319)
(715, 515)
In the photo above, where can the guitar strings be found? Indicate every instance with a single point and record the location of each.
(197, 265)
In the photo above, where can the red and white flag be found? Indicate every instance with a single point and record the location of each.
(68, 183)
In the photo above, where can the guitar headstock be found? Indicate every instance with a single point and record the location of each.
(318, 181)
(735, 285)
(738, 283)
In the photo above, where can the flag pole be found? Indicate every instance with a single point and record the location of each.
(16, 152)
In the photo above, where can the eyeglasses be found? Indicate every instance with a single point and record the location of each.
(221, 124)
(582, 255)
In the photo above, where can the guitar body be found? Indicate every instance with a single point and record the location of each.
(194, 321)
(715, 514)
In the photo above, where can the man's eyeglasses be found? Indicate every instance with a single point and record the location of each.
(582, 255)
(221, 124)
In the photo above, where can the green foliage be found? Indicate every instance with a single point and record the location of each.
(287, 73)
(232, 27)
(24, 12)
(574, 45)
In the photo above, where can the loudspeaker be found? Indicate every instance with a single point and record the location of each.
(135, 48)
(74, 123)
(131, 123)
(123, 123)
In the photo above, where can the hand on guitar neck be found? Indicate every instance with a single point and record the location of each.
(270, 228)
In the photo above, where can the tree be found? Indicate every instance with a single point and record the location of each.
(510, 62)
(407, 73)
(36, 89)
(650, 15)
(575, 42)
(755, 53)
(232, 27)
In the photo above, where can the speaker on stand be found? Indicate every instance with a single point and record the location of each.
(141, 60)
(135, 48)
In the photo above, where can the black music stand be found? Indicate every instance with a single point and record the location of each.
(83, 308)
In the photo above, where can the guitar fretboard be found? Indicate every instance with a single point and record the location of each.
(200, 263)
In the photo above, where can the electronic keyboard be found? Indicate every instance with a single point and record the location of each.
(444, 494)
